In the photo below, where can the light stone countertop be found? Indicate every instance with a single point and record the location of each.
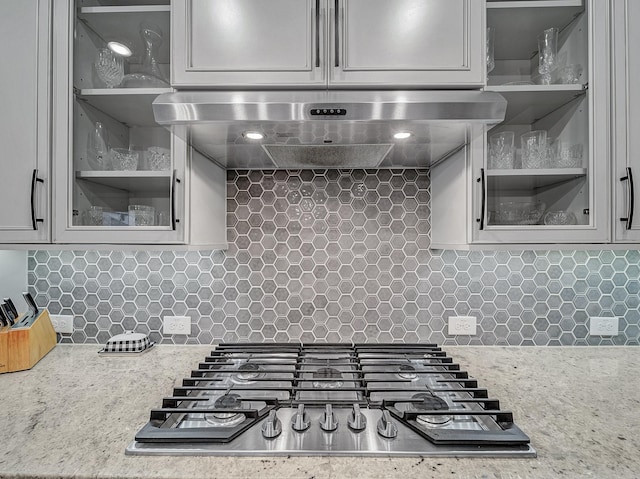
(74, 413)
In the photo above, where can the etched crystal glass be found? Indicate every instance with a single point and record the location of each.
(109, 67)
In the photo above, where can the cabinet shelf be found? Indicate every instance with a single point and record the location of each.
(532, 179)
(528, 103)
(122, 23)
(521, 22)
(153, 183)
(131, 106)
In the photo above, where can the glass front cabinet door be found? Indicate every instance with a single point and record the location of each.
(542, 175)
(124, 178)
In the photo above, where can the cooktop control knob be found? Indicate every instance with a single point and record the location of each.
(272, 427)
(328, 421)
(386, 427)
(300, 421)
(357, 421)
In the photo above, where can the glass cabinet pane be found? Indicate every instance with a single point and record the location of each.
(122, 169)
(538, 161)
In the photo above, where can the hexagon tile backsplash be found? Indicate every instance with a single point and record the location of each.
(339, 255)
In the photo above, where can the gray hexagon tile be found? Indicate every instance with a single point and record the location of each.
(339, 255)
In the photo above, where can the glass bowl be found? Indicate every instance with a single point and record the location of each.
(560, 218)
(518, 213)
(123, 159)
(158, 159)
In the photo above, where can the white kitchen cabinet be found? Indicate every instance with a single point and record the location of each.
(626, 120)
(471, 197)
(25, 86)
(407, 43)
(94, 203)
(252, 43)
(334, 43)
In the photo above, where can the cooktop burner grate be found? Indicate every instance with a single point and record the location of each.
(242, 388)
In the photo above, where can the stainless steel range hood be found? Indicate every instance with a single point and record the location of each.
(328, 129)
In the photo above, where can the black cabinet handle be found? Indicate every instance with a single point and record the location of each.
(484, 199)
(174, 181)
(630, 200)
(34, 180)
(336, 34)
(317, 33)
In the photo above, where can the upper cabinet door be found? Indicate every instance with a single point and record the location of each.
(248, 43)
(626, 119)
(407, 43)
(25, 30)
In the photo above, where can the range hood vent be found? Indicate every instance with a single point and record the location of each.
(328, 129)
(297, 157)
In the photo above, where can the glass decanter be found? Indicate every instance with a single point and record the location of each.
(150, 74)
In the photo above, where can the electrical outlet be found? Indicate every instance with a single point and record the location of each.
(462, 325)
(62, 323)
(176, 325)
(603, 326)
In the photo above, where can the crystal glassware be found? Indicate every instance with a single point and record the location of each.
(123, 159)
(534, 149)
(150, 74)
(568, 155)
(501, 150)
(109, 67)
(95, 216)
(547, 51)
(158, 159)
(142, 215)
(163, 218)
(97, 148)
(560, 218)
(570, 74)
(518, 213)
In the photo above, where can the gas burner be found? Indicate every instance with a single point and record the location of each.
(226, 419)
(247, 373)
(327, 373)
(429, 402)
(406, 371)
(228, 401)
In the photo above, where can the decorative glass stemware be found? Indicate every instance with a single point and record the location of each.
(109, 67)
(98, 148)
(150, 74)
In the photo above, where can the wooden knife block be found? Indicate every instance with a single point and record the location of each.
(22, 348)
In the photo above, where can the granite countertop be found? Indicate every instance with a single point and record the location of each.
(74, 413)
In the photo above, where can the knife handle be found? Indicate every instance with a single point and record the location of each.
(12, 307)
(3, 320)
(31, 303)
(8, 314)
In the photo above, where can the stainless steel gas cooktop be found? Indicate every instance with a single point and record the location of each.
(330, 399)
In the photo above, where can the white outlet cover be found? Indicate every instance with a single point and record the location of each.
(604, 326)
(462, 325)
(62, 323)
(176, 325)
